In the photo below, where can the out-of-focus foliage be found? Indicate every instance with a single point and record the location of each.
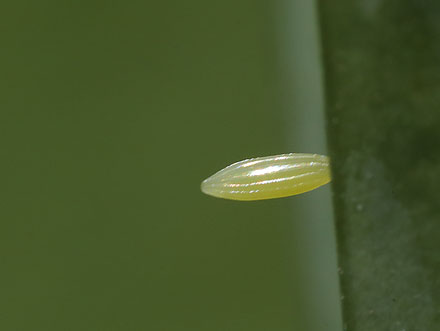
(111, 114)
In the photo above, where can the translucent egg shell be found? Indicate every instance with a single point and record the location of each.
(269, 177)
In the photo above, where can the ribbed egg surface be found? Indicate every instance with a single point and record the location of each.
(269, 177)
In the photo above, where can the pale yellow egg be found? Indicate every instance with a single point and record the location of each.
(269, 177)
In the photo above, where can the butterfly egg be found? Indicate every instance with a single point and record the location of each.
(269, 177)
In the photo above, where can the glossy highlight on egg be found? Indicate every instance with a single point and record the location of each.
(269, 177)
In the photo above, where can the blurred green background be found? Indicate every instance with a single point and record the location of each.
(112, 113)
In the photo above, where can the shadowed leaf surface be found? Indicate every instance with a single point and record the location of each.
(382, 62)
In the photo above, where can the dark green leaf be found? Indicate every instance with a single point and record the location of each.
(382, 62)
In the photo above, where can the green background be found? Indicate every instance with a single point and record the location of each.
(112, 113)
